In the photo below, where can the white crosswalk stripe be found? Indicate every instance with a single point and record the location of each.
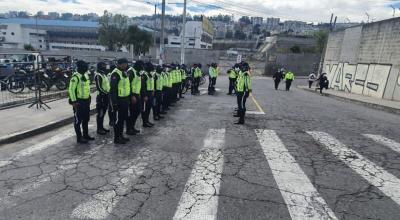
(200, 196)
(385, 141)
(303, 202)
(374, 174)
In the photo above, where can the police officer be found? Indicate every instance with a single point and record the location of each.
(243, 90)
(111, 113)
(120, 91)
(102, 99)
(213, 74)
(159, 85)
(147, 94)
(79, 98)
(166, 87)
(197, 74)
(182, 79)
(171, 79)
(289, 77)
(232, 78)
(135, 78)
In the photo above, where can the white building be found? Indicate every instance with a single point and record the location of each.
(16, 36)
(196, 36)
(272, 23)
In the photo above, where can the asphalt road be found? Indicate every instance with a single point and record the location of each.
(307, 157)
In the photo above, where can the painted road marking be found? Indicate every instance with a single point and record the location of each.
(199, 199)
(374, 174)
(262, 112)
(385, 141)
(301, 197)
(39, 147)
(255, 113)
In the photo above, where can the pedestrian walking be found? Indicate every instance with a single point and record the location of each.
(278, 76)
(311, 79)
(289, 78)
(120, 91)
(79, 98)
(102, 99)
(323, 82)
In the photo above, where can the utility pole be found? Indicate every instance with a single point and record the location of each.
(394, 10)
(162, 46)
(155, 23)
(183, 34)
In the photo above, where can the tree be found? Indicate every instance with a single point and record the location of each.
(140, 40)
(29, 47)
(295, 49)
(112, 31)
(321, 37)
(240, 35)
(257, 29)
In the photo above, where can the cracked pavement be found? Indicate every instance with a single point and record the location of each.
(175, 171)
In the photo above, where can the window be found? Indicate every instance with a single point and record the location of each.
(40, 40)
(4, 33)
(12, 33)
(40, 46)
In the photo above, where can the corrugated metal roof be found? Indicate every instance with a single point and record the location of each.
(27, 21)
(62, 23)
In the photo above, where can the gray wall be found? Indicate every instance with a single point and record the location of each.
(173, 55)
(365, 59)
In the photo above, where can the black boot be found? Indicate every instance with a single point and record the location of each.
(101, 132)
(87, 137)
(81, 140)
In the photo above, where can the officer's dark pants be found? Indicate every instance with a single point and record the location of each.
(146, 107)
(180, 89)
(134, 112)
(211, 85)
(195, 86)
(310, 84)
(101, 107)
(197, 80)
(111, 115)
(121, 115)
(277, 84)
(241, 101)
(157, 103)
(82, 117)
(231, 85)
(164, 99)
(288, 84)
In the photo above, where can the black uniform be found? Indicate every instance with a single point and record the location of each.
(102, 102)
(147, 100)
(278, 76)
(135, 105)
(120, 106)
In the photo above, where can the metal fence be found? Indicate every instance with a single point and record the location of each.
(32, 78)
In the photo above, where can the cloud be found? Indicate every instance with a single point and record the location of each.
(305, 10)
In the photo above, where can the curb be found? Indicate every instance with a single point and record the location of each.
(367, 104)
(11, 138)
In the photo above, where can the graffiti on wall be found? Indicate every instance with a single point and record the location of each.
(363, 79)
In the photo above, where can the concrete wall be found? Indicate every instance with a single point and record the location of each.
(366, 59)
(173, 55)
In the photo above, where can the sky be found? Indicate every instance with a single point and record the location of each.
(304, 10)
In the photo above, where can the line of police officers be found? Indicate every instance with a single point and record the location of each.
(126, 92)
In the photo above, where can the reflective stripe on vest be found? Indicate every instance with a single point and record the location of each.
(149, 82)
(83, 86)
(105, 82)
(159, 82)
(136, 84)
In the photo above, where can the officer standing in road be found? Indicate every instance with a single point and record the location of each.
(120, 91)
(159, 85)
(79, 98)
(147, 94)
(243, 90)
(197, 76)
(278, 76)
(289, 77)
(134, 74)
(102, 99)
(166, 89)
(232, 78)
(183, 80)
(213, 74)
